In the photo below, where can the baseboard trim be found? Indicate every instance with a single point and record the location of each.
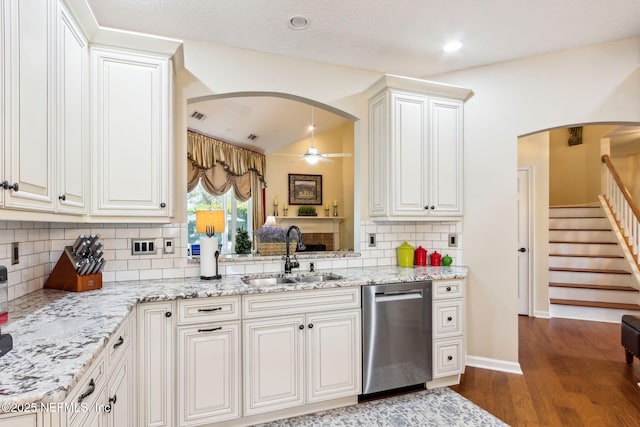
(494, 364)
(542, 314)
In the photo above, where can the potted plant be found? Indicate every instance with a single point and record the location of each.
(243, 243)
(271, 240)
(307, 211)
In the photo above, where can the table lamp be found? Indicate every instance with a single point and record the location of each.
(209, 223)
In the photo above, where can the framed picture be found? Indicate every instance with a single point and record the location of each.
(305, 189)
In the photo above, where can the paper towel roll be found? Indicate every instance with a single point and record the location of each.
(208, 248)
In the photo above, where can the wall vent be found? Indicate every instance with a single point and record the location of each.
(198, 115)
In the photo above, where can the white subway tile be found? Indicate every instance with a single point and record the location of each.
(127, 233)
(127, 275)
(150, 274)
(172, 273)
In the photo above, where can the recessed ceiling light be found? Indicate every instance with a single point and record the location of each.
(298, 22)
(452, 46)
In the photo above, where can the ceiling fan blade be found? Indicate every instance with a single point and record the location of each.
(284, 154)
(337, 155)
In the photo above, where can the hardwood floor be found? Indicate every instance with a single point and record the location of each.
(574, 375)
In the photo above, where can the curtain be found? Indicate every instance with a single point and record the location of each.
(220, 166)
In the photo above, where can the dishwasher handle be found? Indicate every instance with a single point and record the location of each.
(398, 295)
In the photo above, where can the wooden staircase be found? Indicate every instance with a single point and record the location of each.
(589, 277)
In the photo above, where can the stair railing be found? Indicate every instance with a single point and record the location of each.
(623, 206)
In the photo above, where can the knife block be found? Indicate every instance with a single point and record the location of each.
(65, 277)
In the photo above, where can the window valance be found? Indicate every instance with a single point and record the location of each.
(204, 152)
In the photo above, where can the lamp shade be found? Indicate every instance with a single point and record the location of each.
(271, 221)
(214, 219)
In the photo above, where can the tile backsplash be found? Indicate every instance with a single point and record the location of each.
(42, 243)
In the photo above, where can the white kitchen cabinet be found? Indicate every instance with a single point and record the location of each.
(449, 329)
(72, 105)
(155, 360)
(311, 355)
(209, 360)
(121, 393)
(131, 99)
(333, 355)
(415, 150)
(29, 104)
(20, 420)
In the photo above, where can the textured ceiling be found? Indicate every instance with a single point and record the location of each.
(393, 36)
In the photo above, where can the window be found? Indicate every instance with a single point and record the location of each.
(238, 215)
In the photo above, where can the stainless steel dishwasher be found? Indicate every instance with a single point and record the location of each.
(396, 336)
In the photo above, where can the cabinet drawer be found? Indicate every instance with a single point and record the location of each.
(281, 303)
(85, 393)
(29, 420)
(447, 357)
(447, 289)
(201, 310)
(119, 342)
(447, 318)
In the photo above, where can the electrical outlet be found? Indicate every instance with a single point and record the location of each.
(143, 247)
(372, 240)
(168, 246)
(453, 240)
(15, 253)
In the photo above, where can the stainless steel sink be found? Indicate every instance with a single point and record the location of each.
(267, 281)
(318, 278)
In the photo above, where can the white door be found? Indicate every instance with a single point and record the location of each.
(155, 363)
(333, 355)
(273, 363)
(208, 373)
(524, 245)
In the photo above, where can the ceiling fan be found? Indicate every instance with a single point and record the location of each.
(312, 155)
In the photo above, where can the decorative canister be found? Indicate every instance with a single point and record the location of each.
(420, 256)
(435, 259)
(405, 255)
(447, 260)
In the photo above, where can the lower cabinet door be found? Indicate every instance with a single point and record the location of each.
(121, 395)
(333, 355)
(97, 417)
(273, 363)
(208, 373)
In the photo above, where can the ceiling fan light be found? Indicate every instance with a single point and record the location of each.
(312, 159)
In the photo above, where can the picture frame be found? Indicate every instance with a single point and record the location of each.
(305, 189)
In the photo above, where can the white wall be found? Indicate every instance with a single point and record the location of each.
(600, 83)
(593, 84)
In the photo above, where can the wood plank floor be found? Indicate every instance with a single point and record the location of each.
(574, 375)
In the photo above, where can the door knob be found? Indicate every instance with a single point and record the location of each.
(522, 250)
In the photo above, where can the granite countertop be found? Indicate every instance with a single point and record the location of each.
(58, 334)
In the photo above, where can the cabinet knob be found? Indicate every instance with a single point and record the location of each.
(449, 318)
(426, 207)
(163, 205)
(63, 197)
(448, 288)
(167, 314)
(522, 250)
(433, 207)
(7, 186)
(449, 357)
(301, 327)
(310, 325)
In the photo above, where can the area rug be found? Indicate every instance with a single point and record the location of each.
(432, 408)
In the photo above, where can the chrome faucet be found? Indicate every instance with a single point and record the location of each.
(288, 264)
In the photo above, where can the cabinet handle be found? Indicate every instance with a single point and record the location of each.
(119, 343)
(114, 399)
(449, 318)
(210, 329)
(167, 314)
(449, 357)
(63, 197)
(7, 186)
(301, 327)
(163, 205)
(206, 310)
(89, 392)
(310, 325)
(448, 288)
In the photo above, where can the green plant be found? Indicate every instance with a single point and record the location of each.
(306, 210)
(243, 244)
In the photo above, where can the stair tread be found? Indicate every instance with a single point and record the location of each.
(587, 256)
(589, 270)
(616, 305)
(577, 217)
(579, 229)
(583, 243)
(597, 287)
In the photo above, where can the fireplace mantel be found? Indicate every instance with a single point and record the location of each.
(315, 224)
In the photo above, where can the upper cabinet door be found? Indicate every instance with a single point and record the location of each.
(29, 155)
(446, 156)
(72, 116)
(131, 130)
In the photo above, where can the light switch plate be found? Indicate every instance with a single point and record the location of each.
(453, 240)
(168, 246)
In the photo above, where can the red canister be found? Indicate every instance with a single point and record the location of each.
(420, 256)
(435, 259)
